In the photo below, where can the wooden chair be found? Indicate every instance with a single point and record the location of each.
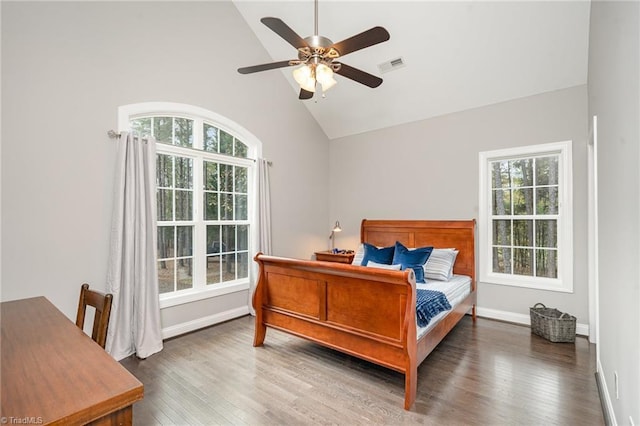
(102, 304)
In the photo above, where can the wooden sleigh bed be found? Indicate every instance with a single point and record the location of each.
(366, 312)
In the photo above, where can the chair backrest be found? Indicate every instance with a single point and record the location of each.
(102, 304)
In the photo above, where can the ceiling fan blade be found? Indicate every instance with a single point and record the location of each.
(358, 75)
(263, 67)
(305, 94)
(283, 30)
(359, 41)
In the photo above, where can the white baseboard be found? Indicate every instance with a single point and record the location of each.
(581, 329)
(605, 398)
(186, 327)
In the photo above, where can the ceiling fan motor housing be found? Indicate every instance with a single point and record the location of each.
(318, 49)
(318, 41)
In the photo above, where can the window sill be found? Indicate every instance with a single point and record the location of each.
(194, 295)
(517, 281)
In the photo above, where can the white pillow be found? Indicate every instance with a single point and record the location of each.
(439, 266)
(372, 264)
(357, 258)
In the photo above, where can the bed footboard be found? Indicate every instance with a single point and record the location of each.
(365, 312)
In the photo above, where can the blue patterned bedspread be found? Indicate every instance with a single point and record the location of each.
(429, 303)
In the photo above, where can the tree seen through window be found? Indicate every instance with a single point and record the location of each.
(525, 216)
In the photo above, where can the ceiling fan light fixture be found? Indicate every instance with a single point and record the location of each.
(328, 85)
(302, 74)
(305, 77)
(324, 75)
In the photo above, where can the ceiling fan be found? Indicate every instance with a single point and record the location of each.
(318, 54)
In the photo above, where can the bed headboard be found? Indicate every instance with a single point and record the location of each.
(458, 234)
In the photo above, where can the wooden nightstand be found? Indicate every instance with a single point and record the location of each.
(327, 256)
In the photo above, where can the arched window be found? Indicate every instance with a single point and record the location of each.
(205, 191)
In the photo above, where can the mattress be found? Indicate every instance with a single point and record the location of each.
(456, 290)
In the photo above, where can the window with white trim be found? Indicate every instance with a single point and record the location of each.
(204, 188)
(525, 217)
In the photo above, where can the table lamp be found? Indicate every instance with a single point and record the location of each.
(332, 236)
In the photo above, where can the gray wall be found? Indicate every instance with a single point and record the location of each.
(614, 96)
(429, 170)
(66, 67)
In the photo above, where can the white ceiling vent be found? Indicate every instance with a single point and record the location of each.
(391, 65)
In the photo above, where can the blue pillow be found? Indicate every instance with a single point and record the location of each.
(414, 259)
(377, 255)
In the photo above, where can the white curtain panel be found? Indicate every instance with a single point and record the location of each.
(132, 276)
(264, 220)
(264, 207)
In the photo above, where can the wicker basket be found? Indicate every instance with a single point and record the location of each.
(552, 324)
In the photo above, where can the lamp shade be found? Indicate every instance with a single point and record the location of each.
(324, 75)
(329, 84)
(302, 74)
(336, 228)
(305, 77)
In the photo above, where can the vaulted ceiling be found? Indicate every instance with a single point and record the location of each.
(457, 55)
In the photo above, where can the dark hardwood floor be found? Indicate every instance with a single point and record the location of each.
(492, 373)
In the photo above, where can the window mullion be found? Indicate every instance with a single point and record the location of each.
(198, 132)
(534, 245)
(174, 259)
(200, 243)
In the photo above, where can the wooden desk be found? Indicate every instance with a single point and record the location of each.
(53, 373)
